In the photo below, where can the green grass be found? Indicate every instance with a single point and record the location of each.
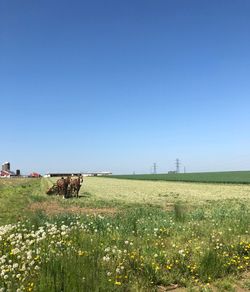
(236, 177)
(15, 196)
(138, 248)
(145, 247)
(246, 284)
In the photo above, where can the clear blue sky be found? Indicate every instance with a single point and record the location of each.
(119, 85)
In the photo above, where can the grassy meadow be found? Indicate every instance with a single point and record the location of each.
(125, 235)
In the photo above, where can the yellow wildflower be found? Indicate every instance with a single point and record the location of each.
(118, 283)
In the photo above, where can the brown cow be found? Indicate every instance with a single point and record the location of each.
(52, 190)
(62, 186)
(75, 185)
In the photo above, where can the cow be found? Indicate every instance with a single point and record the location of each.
(52, 190)
(62, 186)
(75, 185)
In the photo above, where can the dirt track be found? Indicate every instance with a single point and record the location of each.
(53, 208)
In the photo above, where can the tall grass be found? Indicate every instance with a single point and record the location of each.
(15, 196)
(141, 247)
(179, 211)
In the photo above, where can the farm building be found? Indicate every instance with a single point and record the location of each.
(6, 172)
(6, 166)
(102, 173)
(34, 175)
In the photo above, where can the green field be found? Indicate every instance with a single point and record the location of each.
(242, 177)
(124, 235)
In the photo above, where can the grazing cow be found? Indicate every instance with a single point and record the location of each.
(62, 186)
(75, 185)
(52, 190)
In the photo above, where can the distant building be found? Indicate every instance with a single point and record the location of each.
(6, 166)
(34, 175)
(102, 173)
(64, 174)
(7, 173)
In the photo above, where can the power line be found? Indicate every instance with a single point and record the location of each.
(155, 167)
(177, 163)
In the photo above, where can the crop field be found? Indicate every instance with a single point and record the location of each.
(125, 235)
(242, 177)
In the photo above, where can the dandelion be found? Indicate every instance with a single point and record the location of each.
(118, 283)
(117, 270)
(106, 258)
(15, 265)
